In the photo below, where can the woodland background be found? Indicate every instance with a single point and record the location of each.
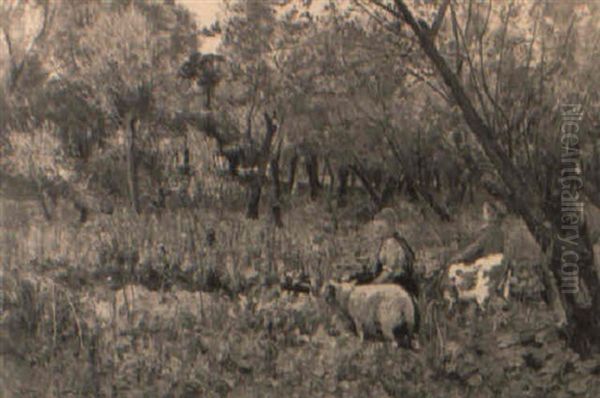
(154, 198)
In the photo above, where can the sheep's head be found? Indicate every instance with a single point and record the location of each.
(337, 293)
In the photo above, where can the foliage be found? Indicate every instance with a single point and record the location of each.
(83, 315)
(188, 298)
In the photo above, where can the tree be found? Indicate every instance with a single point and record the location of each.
(22, 46)
(243, 89)
(491, 123)
(106, 68)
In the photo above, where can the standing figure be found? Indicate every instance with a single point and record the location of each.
(394, 262)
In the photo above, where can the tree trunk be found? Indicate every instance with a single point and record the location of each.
(342, 191)
(209, 91)
(572, 264)
(44, 206)
(331, 175)
(132, 180)
(312, 169)
(552, 295)
(276, 189)
(409, 188)
(254, 192)
(596, 169)
(293, 166)
(186, 158)
(415, 189)
(364, 179)
(389, 188)
(255, 185)
(572, 256)
(83, 211)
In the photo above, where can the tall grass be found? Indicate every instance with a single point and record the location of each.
(150, 305)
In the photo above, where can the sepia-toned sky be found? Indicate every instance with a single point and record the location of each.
(206, 12)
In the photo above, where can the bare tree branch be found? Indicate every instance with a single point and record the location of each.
(520, 194)
(439, 18)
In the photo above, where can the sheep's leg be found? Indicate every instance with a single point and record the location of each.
(358, 328)
(450, 297)
(481, 304)
(397, 330)
(470, 313)
(389, 335)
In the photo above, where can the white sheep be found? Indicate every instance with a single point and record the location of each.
(385, 310)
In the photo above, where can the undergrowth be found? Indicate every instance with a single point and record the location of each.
(190, 305)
